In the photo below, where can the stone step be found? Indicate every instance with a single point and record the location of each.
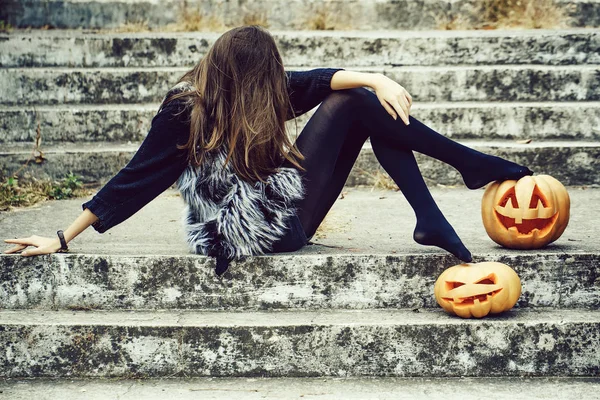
(359, 260)
(86, 282)
(42, 48)
(24, 86)
(573, 163)
(329, 388)
(298, 344)
(459, 120)
(278, 14)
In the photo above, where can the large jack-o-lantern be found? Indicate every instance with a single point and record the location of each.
(525, 214)
(477, 289)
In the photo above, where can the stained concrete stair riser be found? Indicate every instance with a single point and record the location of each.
(428, 84)
(358, 14)
(308, 49)
(338, 343)
(487, 121)
(573, 163)
(82, 281)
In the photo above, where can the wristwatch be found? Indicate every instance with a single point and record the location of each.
(63, 243)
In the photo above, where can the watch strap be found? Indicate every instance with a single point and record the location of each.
(63, 242)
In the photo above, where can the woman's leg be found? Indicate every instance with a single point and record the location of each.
(331, 141)
(432, 227)
(477, 169)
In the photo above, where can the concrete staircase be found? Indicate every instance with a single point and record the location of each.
(93, 95)
(358, 304)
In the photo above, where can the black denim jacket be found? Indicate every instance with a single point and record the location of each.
(158, 163)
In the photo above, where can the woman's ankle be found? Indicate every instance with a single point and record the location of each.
(437, 231)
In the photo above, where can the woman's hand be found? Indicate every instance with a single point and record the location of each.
(393, 97)
(44, 245)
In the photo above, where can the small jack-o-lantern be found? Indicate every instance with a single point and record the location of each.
(477, 289)
(525, 214)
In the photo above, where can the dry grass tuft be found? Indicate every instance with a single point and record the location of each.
(324, 18)
(15, 193)
(523, 14)
(191, 20)
(459, 22)
(129, 27)
(256, 18)
(5, 27)
(380, 179)
(320, 20)
(383, 181)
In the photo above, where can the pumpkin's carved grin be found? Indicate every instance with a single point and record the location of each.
(528, 227)
(470, 300)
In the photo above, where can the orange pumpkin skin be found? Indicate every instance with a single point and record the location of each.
(477, 289)
(526, 214)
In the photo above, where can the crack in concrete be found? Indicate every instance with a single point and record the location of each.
(126, 391)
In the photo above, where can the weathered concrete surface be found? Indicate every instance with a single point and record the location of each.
(330, 388)
(306, 48)
(365, 260)
(573, 163)
(300, 343)
(296, 281)
(306, 388)
(80, 123)
(378, 221)
(499, 83)
(341, 14)
(102, 86)
(448, 83)
(488, 121)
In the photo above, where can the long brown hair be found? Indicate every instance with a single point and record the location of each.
(239, 98)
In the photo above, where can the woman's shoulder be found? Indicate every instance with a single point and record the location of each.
(183, 86)
(178, 106)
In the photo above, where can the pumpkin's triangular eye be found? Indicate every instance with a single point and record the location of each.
(488, 280)
(453, 285)
(509, 196)
(538, 197)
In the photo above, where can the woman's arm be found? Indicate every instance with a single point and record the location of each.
(393, 97)
(154, 168)
(49, 245)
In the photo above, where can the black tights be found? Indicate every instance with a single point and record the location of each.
(332, 140)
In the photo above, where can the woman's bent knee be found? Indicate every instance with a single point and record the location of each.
(347, 98)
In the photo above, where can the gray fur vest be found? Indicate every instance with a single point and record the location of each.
(225, 216)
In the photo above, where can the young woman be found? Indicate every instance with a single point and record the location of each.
(220, 135)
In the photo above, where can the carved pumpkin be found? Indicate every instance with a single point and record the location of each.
(477, 289)
(525, 214)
